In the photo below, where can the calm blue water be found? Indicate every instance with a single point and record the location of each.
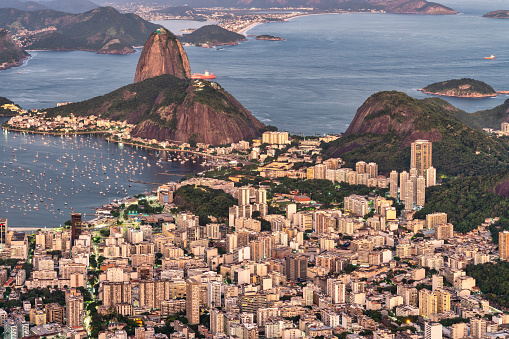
(43, 178)
(315, 80)
(311, 83)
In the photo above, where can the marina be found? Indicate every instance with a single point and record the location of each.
(43, 179)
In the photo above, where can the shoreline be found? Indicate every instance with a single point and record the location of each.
(51, 133)
(473, 96)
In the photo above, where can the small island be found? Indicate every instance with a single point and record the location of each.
(212, 35)
(501, 14)
(269, 38)
(461, 88)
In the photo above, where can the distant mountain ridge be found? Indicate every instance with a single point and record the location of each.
(11, 55)
(68, 6)
(391, 6)
(103, 30)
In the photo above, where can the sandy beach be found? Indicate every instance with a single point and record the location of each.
(244, 30)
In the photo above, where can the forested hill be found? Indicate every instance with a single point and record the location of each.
(102, 30)
(388, 122)
(212, 35)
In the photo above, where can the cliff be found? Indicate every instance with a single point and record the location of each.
(388, 122)
(171, 108)
(501, 14)
(461, 88)
(11, 55)
(103, 30)
(162, 54)
(212, 35)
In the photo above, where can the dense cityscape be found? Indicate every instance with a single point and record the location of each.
(215, 257)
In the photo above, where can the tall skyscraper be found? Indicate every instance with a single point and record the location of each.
(503, 245)
(431, 176)
(403, 178)
(443, 300)
(427, 303)
(74, 310)
(244, 196)
(75, 226)
(296, 267)
(214, 294)
(409, 195)
(372, 170)
(478, 327)
(421, 191)
(421, 156)
(393, 185)
(3, 230)
(193, 301)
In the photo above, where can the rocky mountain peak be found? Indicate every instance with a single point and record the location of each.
(162, 54)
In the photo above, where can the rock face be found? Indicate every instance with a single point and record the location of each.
(388, 122)
(11, 55)
(393, 112)
(170, 108)
(162, 54)
(198, 121)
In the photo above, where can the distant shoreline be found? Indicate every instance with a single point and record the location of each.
(467, 96)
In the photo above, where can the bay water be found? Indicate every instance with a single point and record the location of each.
(311, 83)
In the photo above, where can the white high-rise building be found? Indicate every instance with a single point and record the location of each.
(432, 331)
(431, 176)
(214, 294)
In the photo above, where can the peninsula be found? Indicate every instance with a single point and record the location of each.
(460, 88)
(103, 30)
(11, 55)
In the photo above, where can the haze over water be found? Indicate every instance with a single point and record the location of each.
(311, 83)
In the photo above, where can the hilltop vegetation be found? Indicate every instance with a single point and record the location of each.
(167, 107)
(468, 201)
(493, 280)
(463, 88)
(387, 123)
(212, 35)
(102, 30)
(204, 202)
(490, 118)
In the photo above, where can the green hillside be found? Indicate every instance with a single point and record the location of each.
(102, 30)
(461, 87)
(212, 35)
(388, 122)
